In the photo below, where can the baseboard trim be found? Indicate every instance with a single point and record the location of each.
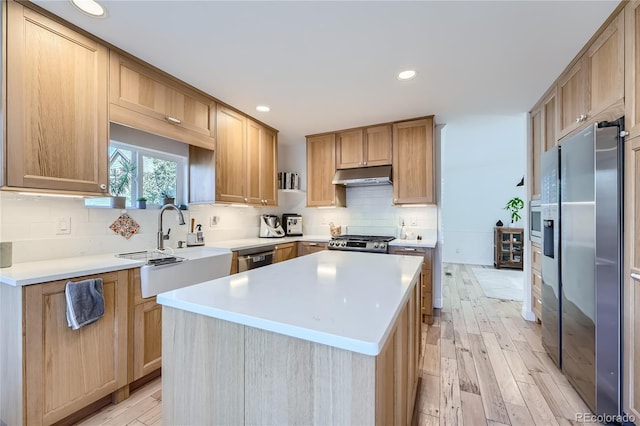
(528, 314)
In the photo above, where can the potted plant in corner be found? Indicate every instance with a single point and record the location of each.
(167, 197)
(119, 181)
(141, 202)
(514, 206)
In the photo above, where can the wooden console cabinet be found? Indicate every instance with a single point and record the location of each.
(508, 247)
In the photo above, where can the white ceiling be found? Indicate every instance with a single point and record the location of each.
(324, 65)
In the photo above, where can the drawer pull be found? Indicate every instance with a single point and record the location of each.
(313, 244)
(172, 120)
(635, 276)
(409, 249)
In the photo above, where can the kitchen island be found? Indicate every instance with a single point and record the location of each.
(328, 338)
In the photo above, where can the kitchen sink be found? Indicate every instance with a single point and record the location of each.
(173, 269)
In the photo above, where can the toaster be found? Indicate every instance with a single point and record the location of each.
(292, 224)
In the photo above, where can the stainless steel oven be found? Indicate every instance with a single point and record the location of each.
(535, 222)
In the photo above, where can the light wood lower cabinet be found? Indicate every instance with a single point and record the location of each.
(146, 330)
(285, 251)
(536, 281)
(219, 372)
(56, 118)
(66, 370)
(426, 278)
(308, 247)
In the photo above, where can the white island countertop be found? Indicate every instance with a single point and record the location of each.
(348, 300)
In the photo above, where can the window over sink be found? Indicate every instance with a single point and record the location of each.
(152, 173)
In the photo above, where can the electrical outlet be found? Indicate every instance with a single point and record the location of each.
(400, 221)
(457, 251)
(414, 221)
(63, 225)
(214, 221)
(324, 220)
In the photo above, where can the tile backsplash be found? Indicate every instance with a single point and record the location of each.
(33, 223)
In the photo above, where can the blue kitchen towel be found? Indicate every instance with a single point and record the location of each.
(85, 302)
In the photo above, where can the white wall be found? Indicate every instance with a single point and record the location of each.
(483, 158)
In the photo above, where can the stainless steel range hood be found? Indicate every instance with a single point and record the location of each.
(365, 176)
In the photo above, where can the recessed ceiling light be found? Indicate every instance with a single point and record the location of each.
(90, 7)
(406, 75)
(263, 108)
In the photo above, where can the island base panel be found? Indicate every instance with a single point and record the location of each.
(219, 372)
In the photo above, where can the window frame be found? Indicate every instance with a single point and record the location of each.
(137, 154)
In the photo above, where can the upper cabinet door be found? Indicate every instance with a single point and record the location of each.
(605, 60)
(573, 97)
(321, 166)
(413, 162)
(148, 100)
(377, 146)
(269, 166)
(230, 157)
(349, 149)
(549, 119)
(632, 68)
(253, 163)
(57, 127)
(594, 86)
(536, 151)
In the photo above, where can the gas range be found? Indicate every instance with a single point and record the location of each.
(368, 243)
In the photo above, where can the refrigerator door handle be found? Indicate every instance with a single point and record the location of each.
(635, 276)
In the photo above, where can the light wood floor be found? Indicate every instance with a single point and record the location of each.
(483, 365)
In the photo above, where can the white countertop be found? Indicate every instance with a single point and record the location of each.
(347, 300)
(429, 240)
(20, 274)
(246, 243)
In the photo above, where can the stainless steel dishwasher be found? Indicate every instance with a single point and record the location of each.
(255, 257)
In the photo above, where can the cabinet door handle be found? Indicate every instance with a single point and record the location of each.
(365, 163)
(172, 120)
(245, 199)
(540, 301)
(313, 244)
(635, 276)
(103, 186)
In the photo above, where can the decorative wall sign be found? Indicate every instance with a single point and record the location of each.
(125, 226)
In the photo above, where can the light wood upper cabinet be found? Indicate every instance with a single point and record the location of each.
(536, 147)
(632, 68)
(572, 95)
(631, 308)
(321, 166)
(65, 369)
(246, 161)
(364, 147)
(549, 119)
(596, 82)
(377, 147)
(262, 165)
(268, 166)
(349, 149)
(231, 157)
(413, 162)
(149, 100)
(57, 124)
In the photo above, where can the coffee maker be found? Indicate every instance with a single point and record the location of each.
(270, 226)
(292, 224)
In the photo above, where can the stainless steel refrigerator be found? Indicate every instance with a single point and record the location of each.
(581, 210)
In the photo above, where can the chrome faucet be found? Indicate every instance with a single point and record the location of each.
(161, 235)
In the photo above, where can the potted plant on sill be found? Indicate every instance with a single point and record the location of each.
(167, 197)
(141, 202)
(514, 206)
(119, 182)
